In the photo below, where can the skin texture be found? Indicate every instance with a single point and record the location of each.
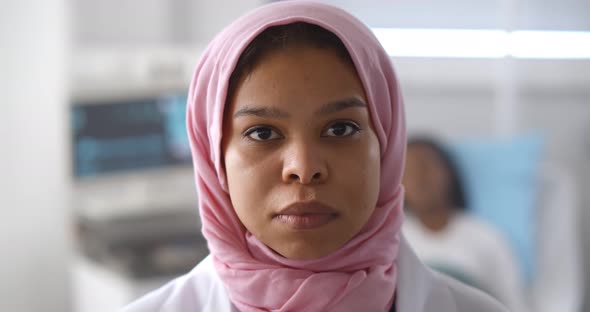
(290, 135)
(427, 183)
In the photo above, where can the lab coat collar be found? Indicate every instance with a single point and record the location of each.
(418, 287)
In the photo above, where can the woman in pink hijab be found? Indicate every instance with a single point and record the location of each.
(297, 130)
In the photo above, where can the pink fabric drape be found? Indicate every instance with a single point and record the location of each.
(361, 275)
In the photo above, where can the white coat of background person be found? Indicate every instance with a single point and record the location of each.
(297, 130)
(448, 238)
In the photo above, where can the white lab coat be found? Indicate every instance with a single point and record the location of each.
(419, 289)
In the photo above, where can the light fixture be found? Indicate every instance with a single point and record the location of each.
(550, 44)
(471, 43)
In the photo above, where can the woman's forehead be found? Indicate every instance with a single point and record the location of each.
(299, 40)
(289, 79)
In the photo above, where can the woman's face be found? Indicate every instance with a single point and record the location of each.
(426, 180)
(302, 160)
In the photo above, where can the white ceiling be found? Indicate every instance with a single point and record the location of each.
(521, 14)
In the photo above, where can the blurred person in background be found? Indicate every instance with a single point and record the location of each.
(445, 236)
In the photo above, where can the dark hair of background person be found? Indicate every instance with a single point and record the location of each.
(276, 38)
(458, 199)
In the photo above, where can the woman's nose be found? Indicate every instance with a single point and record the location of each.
(304, 164)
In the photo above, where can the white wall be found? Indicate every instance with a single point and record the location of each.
(122, 22)
(34, 234)
(152, 22)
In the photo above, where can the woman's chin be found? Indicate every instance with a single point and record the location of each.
(306, 250)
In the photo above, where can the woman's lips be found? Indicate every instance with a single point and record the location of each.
(306, 215)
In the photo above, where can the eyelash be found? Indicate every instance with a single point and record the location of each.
(352, 129)
(351, 125)
(249, 132)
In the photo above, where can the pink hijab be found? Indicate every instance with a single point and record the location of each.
(361, 275)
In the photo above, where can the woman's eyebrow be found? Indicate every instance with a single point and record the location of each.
(339, 105)
(326, 109)
(268, 112)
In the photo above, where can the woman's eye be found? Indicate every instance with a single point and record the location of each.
(262, 134)
(341, 129)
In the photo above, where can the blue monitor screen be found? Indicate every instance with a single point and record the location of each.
(135, 134)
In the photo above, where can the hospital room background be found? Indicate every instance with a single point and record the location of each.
(97, 200)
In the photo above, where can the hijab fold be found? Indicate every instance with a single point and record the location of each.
(361, 275)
